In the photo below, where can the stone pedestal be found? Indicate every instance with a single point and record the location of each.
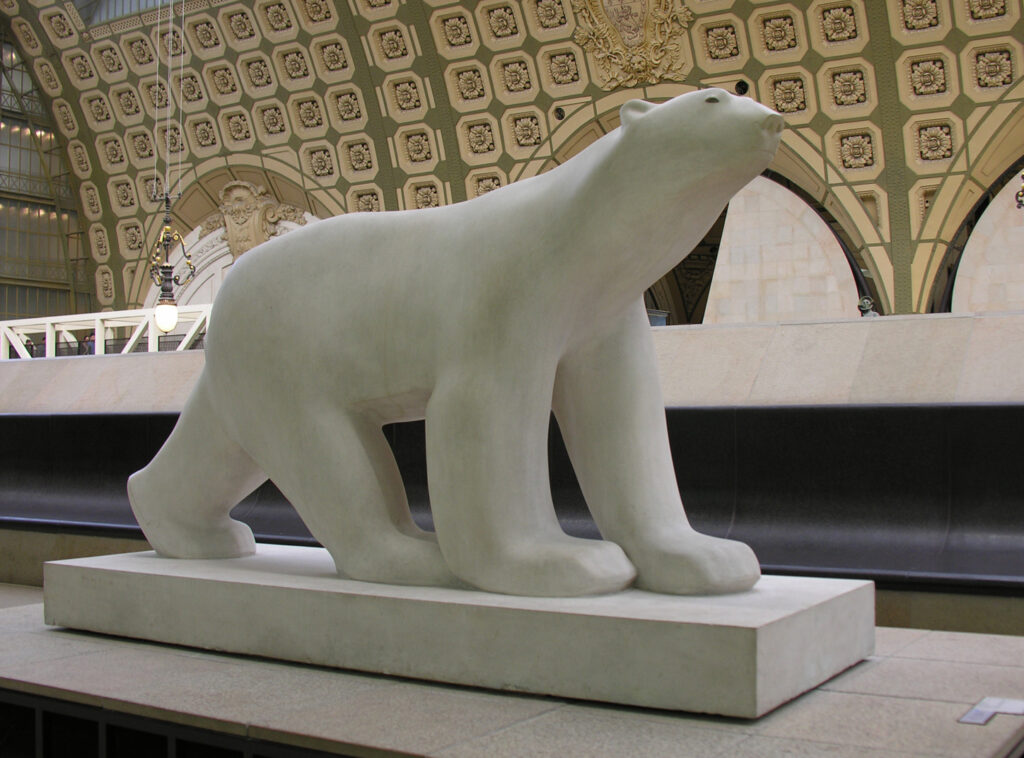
(734, 655)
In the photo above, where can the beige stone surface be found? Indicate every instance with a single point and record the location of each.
(993, 365)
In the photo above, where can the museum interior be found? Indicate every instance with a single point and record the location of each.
(841, 356)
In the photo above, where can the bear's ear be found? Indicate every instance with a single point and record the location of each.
(633, 110)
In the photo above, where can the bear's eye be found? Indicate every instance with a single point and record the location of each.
(711, 99)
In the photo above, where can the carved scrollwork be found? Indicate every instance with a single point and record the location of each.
(633, 41)
(249, 216)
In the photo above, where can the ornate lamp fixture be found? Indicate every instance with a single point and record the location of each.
(1020, 193)
(162, 272)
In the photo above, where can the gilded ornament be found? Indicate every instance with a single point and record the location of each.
(320, 162)
(417, 147)
(427, 196)
(779, 33)
(721, 42)
(470, 84)
(857, 151)
(502, 22)
(348, 106)
(456, 31)
(935, 143)
(367, 202)
(789, 96)
(982, 10)
(848, 88)
(392, 44)
(993, 68)
(928, 77)
(839, 24)
(563, 68)
(481, 138)
(360, 157)
(920, 14)
(633, 41)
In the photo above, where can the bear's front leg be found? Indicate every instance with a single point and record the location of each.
(490, 493)
(610, 410)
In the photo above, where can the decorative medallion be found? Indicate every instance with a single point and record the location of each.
(206, 34)
(633, 41)
(318, 10)
(80, 67)
(224, 80)
(124, 194)
(856, 150)
(113, 150)
(142, 146)
(191, 90)
(502, 22)
(848, 87)
(481, 138)
(157, 93)
(839, 24)
(551, 13)
(154, 187)
(367, 202)
(80, 158)
(141, 51)
(993, 68)
(417, 147)
(426, 196)
(111, 60)
(205, 133)
(469, 83)
(333, 56)
(982, 10)
(98, 108)
(27, 36)
(171, 139)
(563, 68)
(721, 42)
(789, 95)
(277, 17)
(309, 114)
(516, 76)
(273, 120)
(238, 127)
(456, 31)
(105, 284)
(92, 200)
(485, 184)
(407, 95)
(779, 33)
(920, 14)
(347, 104)
(67, 118)
(241, 26)
(526, 130)
(360, 157)
(61, 26)
(320, 163)
(48, 77)
(935, 143)
(132, 237)
(295, 64)
(171, 43)
(259, 74)
(392, 44)
(928, 77)
(128, 102)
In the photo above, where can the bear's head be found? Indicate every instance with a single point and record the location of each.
(710, 135)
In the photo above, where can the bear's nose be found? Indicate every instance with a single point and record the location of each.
(773, 123)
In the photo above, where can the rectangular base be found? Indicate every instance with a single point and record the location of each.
(734, 655)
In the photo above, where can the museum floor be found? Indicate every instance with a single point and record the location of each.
(904, 701)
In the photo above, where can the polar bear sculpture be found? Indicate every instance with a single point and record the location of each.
(480, 317)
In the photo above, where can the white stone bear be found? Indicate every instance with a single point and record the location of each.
(480, 317)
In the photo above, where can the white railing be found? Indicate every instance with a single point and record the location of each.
(87, 333)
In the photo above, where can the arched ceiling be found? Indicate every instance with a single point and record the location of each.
(902, 113)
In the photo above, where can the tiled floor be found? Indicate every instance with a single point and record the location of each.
(904, 701)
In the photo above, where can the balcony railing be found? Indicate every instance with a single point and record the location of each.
(108, 333)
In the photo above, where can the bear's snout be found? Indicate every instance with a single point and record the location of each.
(773, 123)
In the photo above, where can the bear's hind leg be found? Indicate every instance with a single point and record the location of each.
(341, 477)
(182, 498)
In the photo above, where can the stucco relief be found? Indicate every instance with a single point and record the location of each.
(634, 42)
(250, 216)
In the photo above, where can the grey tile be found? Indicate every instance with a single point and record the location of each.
(779, 747)
(992, 649)
(568, 732)
(888, 723)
